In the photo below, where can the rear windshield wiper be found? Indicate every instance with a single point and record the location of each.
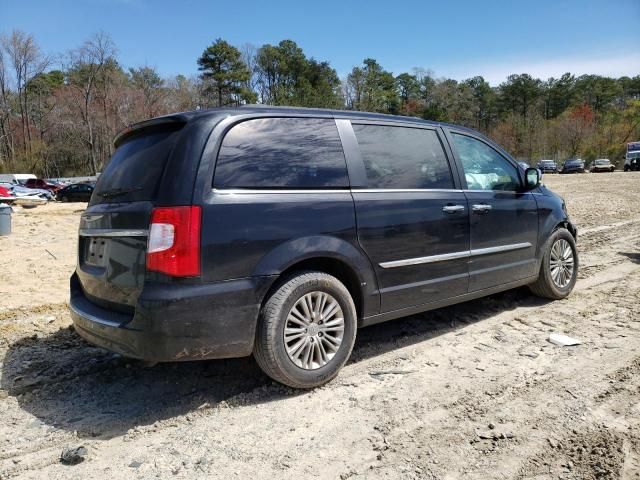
(116, 192)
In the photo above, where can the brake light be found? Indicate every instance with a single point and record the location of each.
(174, 241)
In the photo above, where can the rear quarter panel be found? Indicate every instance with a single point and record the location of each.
(262, 232)
(247, 234)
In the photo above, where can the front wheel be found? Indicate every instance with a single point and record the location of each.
(306, 331)
(559, 268)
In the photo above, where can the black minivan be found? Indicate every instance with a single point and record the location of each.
(278, 232)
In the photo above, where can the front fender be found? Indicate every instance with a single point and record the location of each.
(551, 215)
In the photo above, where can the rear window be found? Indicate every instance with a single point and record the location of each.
(282, 153)
(403, 158)
(134, 171)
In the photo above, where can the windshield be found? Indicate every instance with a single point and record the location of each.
(135, 169)
(602, 162)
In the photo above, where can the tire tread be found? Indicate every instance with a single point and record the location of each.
(266, 330)
(542, 286)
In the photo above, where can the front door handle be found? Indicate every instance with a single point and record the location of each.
(481, 208)
(453, 208)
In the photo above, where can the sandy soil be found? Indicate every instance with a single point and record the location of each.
(37, 259)
(471, 391)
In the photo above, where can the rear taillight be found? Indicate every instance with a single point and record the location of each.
(174, 241)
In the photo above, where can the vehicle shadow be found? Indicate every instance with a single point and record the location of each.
(633, 256)
(68, 384)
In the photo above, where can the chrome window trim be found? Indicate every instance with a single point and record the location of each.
(236, 191)
(228, 191)
(492, 191)
(254, 191)
(112, 232)
(404, 190)
(455, 255)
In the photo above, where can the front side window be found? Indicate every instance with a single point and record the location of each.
(484, 167)
(402, 157)
(282, 153)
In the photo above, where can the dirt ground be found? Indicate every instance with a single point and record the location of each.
(471, 391)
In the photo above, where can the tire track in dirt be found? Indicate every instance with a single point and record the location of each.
(525, 390)
(417, 391)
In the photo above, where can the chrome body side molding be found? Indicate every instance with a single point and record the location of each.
(500, 249)
(454, 255)
(430, 259)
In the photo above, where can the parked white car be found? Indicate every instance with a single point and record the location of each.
(16, 178)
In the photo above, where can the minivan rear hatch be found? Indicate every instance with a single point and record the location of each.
(114, 228)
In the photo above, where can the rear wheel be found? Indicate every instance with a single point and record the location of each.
(64, 199)
(559, 268)
(306, 331)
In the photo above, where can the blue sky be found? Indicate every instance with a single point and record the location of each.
(456, 39)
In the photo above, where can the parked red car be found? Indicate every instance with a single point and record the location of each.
(43, 184)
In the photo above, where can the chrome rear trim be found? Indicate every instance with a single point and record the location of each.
(112, 232)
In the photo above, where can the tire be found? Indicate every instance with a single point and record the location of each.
(64, 199)
(626, 168)
(545, 286)
(276, 356)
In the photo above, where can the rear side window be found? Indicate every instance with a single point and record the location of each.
(401, 157)
(282, 153)
(134, 171)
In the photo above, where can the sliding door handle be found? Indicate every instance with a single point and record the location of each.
(481, 208)
(453, 208)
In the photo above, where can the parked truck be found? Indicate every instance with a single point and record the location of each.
(632, 158)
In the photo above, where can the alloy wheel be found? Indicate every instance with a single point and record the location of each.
(561, 263)
(314, 330)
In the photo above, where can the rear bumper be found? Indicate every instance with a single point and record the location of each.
(175, 322)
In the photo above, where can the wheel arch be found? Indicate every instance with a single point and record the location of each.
(330, 255)
(568, 226)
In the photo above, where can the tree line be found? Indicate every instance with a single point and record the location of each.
(59, 114)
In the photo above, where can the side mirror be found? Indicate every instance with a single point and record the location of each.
(531, 178)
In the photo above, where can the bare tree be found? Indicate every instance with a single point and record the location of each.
(85, 65)
(6, 135)
(249, 55)
(28, 62)
(148, 82)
